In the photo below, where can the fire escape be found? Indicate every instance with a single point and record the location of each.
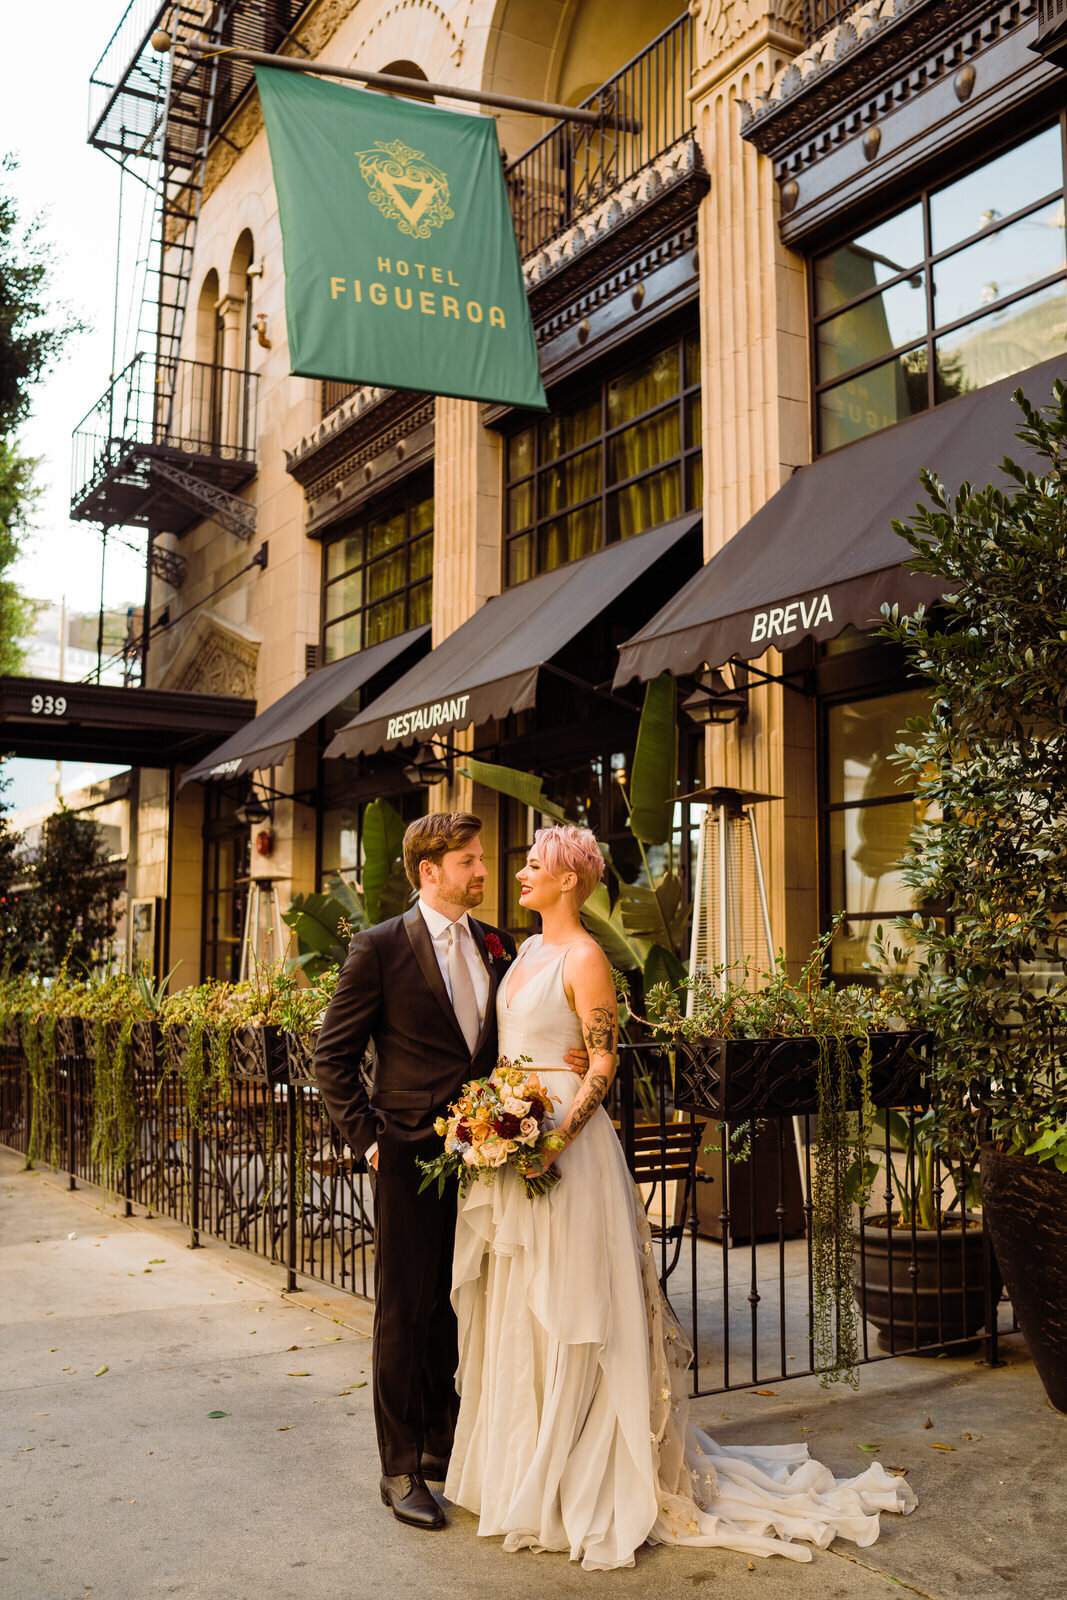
(172, 441)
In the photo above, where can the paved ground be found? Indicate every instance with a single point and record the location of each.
(117, 1344)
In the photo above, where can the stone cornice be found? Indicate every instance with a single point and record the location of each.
(655, 198)
(367, 421)
(880, 52)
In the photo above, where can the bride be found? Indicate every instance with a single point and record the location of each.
(573, 1429)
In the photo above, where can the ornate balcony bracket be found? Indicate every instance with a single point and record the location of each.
(229, 510)
(167, 565)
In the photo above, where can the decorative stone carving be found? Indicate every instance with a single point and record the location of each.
(722, 23)
(215, 657)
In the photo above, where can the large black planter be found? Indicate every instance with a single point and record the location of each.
(922, 1289)
(1025, 1207)
(735, 1079)
(300, 1057)
(258, 1054)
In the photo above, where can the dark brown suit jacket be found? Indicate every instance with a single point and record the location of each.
(391, 990)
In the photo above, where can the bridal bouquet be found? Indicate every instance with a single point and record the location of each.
(497, 1121)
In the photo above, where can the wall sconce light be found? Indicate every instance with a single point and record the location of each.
(253, 808)
(714, 701)
(428, 765)
(261, 331)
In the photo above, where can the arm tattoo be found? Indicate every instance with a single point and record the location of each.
(592, 1093)
(599, 1031)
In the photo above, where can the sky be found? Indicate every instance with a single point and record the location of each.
(44, 84)
(44, 95)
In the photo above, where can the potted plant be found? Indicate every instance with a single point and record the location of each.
(990, 763)
(919, 1274)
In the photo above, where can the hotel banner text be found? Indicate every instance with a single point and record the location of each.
(401, 267)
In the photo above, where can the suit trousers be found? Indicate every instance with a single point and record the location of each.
(415, 1343)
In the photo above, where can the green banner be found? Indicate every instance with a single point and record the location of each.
(401, 267)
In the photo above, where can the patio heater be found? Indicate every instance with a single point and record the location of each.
(731, 917)
(263, 940)
(731, 920)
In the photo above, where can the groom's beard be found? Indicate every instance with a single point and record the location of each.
(465, 897)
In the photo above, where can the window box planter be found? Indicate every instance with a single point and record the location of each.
(735, 1080)
(258, 1054)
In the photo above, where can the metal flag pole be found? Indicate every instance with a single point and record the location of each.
(387, 80)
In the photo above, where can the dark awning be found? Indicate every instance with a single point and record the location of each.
(43, 718)
(821, 555)
(265, 741)
(490, 665)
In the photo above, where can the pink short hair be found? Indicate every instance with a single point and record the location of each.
(568, 849)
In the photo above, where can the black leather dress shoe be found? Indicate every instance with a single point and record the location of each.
(410, 1501)
(434, 1467)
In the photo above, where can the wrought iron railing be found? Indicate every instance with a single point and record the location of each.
(822, 15)
(260, 1166)
(191, 407)
(575, 165)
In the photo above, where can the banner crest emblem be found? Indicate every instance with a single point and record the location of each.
(406, 187)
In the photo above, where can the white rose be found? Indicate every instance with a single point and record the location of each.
(471, 1157)
(528, 1130)
(514, 1107)
(494, 1153)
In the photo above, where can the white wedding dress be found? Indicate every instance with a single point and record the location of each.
(573, 1429)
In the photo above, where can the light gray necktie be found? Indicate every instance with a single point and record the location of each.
(464, 1000)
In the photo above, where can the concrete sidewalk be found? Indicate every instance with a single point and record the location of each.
(120, 1484)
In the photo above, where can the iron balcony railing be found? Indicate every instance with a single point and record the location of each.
(212, 414)
(575, 166)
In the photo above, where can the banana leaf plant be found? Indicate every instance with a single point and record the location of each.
(644, 929)
(324, 923)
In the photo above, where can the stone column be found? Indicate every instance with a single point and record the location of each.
(756, 427)
(466, 573)
(232, 311)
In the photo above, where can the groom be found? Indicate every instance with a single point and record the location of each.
(423, 987)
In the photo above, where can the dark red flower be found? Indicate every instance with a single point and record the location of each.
(537, 1108)
(508, 1126)
(463, 1132)
(494, 948)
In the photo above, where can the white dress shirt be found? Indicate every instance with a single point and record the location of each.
(437, 925)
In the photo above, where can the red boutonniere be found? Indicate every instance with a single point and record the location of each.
(494, 949)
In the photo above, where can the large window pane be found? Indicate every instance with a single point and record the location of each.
(642, 388)
(645, 504)
(644, 445)
(997, 189)
(521, 505)
(570, 429)
(861, 737)
(344, 553)
(420, 604)
(870, 330)
(422, 515)
(573, 480)
(872, 258)
(385, 620)
(385, 576)
(882, 396)
(570, 537)
(521, 453)
(344, 596)
(1006, 342)
(521, 559)
(343, 638)
(422, 558)
(384, 533)
(1000, 265)
(866, 844)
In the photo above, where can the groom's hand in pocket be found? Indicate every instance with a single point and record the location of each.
(578, 1061)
